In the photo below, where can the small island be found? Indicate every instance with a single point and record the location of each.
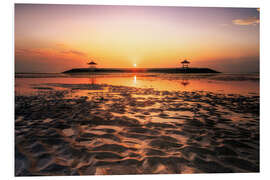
(141, 70)
(183, 69)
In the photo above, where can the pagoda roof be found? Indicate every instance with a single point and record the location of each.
(92, 63)
(185, 61)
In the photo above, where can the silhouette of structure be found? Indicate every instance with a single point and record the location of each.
(92, 65)
(185, 64)
(92, 78)
(185, 69)
(185, 82)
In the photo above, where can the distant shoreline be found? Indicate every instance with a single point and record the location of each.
(141, 70)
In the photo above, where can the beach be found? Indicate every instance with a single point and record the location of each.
(136, 124)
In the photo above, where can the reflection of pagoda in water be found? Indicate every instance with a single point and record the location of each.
(92, 78)
(185, 82)
(185, 63)
(93, 83)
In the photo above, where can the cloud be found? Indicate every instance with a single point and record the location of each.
(224, 25)
(61, 45)
(48, 59)
(49, 52)
(244, 64)
(79, 53)
(245, 22)
(34, 51)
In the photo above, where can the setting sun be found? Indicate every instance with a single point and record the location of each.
(55, 50)
(79, 108)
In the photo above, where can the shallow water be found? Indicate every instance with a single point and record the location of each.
(218, 83)
(133, 124)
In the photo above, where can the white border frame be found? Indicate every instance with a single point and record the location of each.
(7, 86)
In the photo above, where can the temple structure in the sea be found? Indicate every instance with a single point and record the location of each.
(92, 65)
(184, 69)
(185, 64)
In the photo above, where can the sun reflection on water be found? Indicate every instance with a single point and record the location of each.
(33, 84)
(135, 79)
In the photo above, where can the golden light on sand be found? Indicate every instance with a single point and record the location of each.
(80, 64)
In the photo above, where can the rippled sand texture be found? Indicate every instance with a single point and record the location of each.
(128, 130)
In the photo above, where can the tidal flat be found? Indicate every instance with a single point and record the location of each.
(104, 129)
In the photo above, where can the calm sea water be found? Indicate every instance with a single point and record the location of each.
(193, 123)
(27, 84)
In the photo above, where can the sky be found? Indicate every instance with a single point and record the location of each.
(56, 38)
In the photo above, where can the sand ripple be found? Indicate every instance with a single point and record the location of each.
(130, 130)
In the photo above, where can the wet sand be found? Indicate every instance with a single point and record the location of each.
(129, 130)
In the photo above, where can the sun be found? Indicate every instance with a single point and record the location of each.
(134, 65)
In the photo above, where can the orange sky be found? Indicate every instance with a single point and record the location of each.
(55, 38)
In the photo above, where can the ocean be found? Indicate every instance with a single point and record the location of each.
(105, 124)
(218, 83)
